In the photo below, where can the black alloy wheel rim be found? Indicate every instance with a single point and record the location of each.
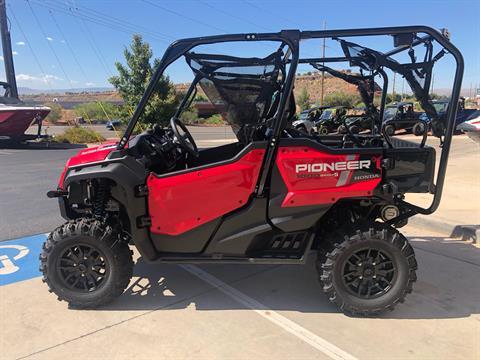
(82, 268)
(369, 273)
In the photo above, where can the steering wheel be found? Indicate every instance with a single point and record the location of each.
(185, 140)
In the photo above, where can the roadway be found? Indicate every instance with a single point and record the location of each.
(198, 132)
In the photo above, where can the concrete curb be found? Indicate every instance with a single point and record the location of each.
(463, 231)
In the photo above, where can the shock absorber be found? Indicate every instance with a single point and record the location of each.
(101, 196)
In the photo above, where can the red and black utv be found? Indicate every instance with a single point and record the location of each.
(271, 197)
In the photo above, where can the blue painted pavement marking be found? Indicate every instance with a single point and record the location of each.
(19, 258)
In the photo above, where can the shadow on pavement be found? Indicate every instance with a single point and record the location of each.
(448, 285)
(467, 232)
(42, 146)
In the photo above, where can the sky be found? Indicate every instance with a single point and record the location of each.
(62, 44)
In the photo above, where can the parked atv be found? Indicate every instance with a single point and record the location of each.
(270, 198)
(401, 116)
(307, 120)
(357, 120)
(330, 120)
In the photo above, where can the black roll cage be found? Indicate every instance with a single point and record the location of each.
(292, 38)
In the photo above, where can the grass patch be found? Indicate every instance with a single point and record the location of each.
(214, 120)
(79, 135)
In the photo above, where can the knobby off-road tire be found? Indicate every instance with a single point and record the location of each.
(302, 129)
(100, 261)
(390, 130)
(393, 270)
(419, 129)
(323, 130)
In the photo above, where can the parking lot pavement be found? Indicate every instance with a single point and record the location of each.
(25, 177)
(238, 311)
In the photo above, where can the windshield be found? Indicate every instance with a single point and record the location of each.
(327, 114)
(390, 112)
(303, 115)
(440, 107)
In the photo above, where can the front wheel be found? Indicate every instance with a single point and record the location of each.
(86, 263)
(368, 272)
(302, 129)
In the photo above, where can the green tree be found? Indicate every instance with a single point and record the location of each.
(390, 98)
(338, 98)
(303, 99)
(133, 79)
(434, 96)
(55, 112)
(189, 116)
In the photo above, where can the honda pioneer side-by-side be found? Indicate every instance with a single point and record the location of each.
(272, 197)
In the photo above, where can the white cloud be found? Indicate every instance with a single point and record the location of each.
(42, 78)
(26, 77)
(49, 38)
(1, 58)
(63, 41)
(14, 53)
(51, 77)
(20, 43)
(89, 84)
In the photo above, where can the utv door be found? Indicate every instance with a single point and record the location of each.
(186, 207)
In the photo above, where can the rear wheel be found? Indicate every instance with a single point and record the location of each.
(368, 272)
(86, 263)
(419, 129)
(323, 130)
(390, 130)
(354, 129)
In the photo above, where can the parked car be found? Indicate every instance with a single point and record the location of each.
(80, 120)
(113, 124)
(441, 106)
(471, 126)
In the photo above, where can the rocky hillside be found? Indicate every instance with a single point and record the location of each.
(313, 83)
(310, 81)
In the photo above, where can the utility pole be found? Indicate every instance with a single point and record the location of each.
(323, 63)
(403, 89)
(7, 51)
(393, 91)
